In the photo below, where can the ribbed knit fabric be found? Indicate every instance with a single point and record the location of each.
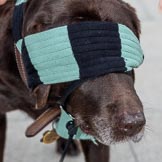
(78, 51)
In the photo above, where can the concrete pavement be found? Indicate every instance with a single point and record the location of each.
(148, 84)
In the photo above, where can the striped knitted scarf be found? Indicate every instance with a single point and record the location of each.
(77, 51)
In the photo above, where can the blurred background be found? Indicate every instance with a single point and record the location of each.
(149, 88)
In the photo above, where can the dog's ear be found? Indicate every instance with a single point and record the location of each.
(121, 12)
(135, 22)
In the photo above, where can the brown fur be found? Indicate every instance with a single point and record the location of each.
(104, 107)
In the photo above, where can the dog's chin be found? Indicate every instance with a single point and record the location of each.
(107, 140)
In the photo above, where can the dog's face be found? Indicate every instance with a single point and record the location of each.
(109, 108)
(106, 107)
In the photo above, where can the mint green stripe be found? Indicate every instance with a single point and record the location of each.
(55, 70)
(35, 54)
(131, 63)
(52, 50)
(43, 41)
(40, 47)
(56, 54)
(130, 37)
(55, 63)
(135, 62)
(131, 56)
(131, 48)
(133, 52)
(65, 77)
(131, 44)
(18, 2)
(55, 33)
(126, 30)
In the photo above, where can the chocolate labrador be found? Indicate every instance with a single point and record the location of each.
(106, 107)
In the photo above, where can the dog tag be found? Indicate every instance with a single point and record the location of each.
(50, 137)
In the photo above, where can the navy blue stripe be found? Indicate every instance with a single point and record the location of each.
(17, 22)
(32, 74)
(92, 40)
(92, 33)
(98, 54)
(95, 59)
(98, 46)
(107, 61)
(98, 50)
(101, 70)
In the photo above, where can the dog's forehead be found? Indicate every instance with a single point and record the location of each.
(56, 13)
(105, 10)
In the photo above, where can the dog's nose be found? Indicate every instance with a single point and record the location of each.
(131, 124)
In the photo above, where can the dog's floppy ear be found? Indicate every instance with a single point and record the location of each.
(120, 12)
(135, 22)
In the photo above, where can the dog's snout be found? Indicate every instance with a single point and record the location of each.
(131, 124)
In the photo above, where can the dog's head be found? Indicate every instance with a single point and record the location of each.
(106, 107)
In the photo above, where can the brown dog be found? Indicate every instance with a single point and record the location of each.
(107, 107)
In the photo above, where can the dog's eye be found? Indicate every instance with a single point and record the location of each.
(112, 107)
(80, 18)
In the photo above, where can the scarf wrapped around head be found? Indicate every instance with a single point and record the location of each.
(79, 51)
(76, 51)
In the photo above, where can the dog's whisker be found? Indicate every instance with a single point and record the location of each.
(149, 104)
(148, 129)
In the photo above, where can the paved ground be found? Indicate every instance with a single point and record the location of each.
(148, 83)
